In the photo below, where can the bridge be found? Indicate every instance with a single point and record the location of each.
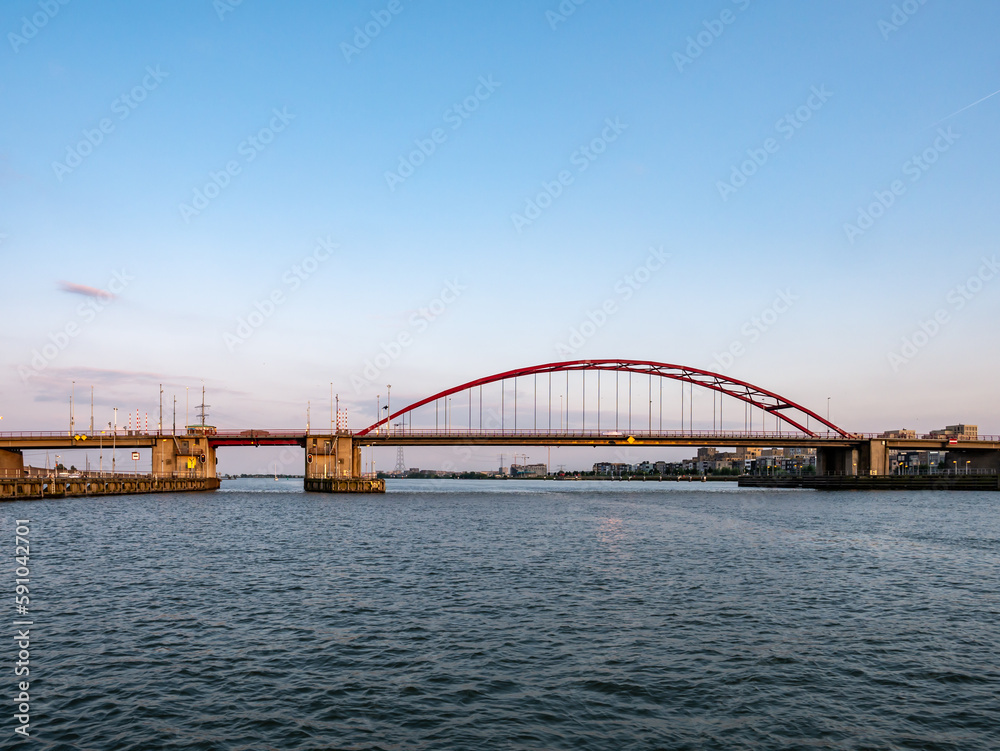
(575, 403)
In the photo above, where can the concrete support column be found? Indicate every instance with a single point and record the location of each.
(837, 460)
(873, 458)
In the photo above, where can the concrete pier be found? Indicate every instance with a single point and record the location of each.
(344, 485)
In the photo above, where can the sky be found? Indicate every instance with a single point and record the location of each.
(267, 198)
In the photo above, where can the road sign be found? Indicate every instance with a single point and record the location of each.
(135, 456)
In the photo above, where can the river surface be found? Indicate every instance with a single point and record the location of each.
(511, 615)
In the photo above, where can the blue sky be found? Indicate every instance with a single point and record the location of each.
(810, 113)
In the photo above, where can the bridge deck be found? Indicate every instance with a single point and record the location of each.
(504, 437)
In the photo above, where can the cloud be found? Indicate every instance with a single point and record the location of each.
(82, 289)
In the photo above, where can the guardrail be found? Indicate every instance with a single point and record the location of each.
(34, 473)
(398, 431)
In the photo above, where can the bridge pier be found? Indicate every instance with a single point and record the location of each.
(869, 457)
(332, 456)
(189, 455)
(836, 460)
(333, 465)
(873, 458)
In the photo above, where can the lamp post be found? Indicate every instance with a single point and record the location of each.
(388, 411)
(114, 441)
(967, 462)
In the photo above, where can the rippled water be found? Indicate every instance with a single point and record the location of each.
(513, 615)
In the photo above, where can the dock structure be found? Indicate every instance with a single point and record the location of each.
(940, 481)
(36, 488)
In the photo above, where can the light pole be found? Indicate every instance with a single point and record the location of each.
(388, 410)
(72, 393)
(967, 462)
(378, 411)
(114, 441)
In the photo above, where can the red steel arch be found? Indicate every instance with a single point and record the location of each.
(745, 392)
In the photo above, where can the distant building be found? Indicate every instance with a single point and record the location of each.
(968, 432)
(612, 468)
(528, 470)
(901, 433)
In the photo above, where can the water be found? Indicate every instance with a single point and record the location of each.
(513, 615)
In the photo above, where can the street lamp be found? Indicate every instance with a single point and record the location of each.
(114, 440)
(967, 462)
(388, 412)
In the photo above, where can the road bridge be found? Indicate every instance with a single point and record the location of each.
(610, 403)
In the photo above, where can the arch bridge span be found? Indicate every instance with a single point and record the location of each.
(796, 421)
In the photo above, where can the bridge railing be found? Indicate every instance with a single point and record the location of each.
(623, 434)
(35, 473)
